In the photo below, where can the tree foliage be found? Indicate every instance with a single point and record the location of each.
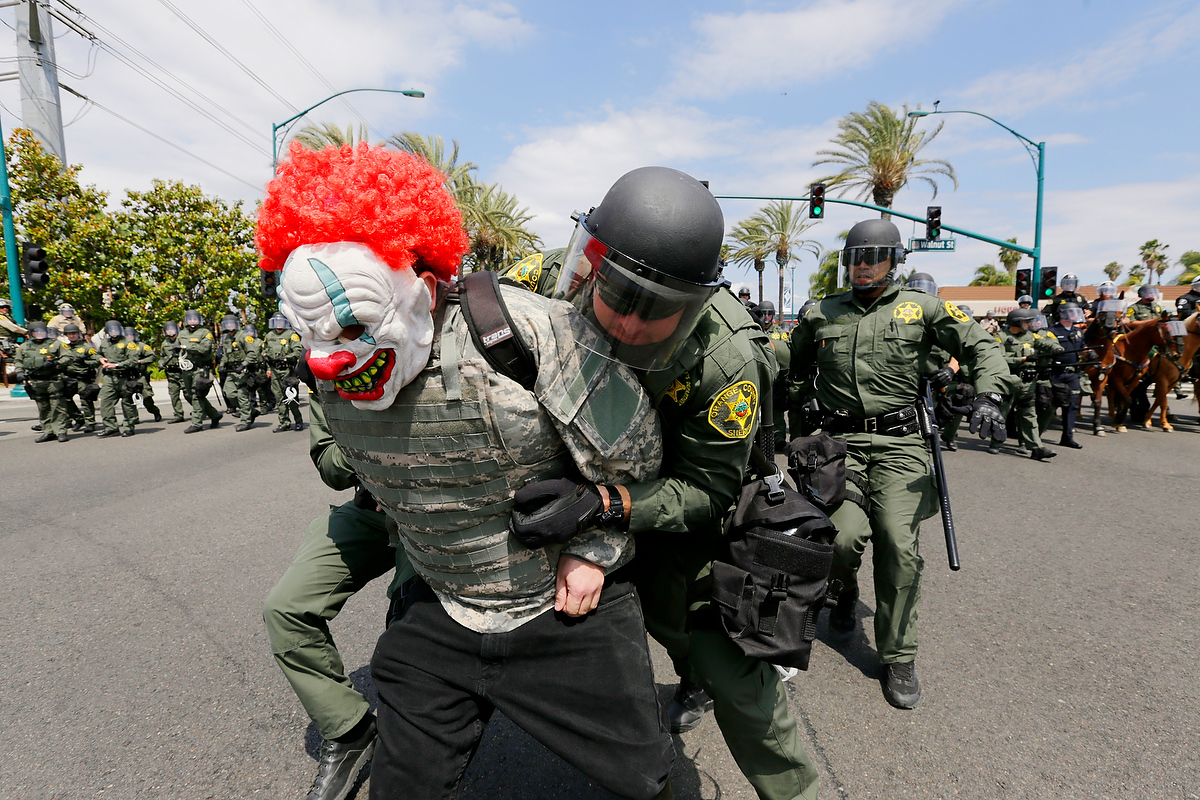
(989, 275)
(774, 231)
(825, 280)
(1190, 261)
(1154, 258)
(1113, 270)
(1009, 259)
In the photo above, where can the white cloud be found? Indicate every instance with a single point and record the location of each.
(769, 49)
(1020, 91)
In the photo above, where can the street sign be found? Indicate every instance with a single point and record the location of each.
(945, 245)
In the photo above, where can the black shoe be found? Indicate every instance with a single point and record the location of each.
(62, 437)
(216, 422)
(687, 707)
(340, 765)
(900, 684)
(157, 416)
(45, 437)
(993, 448)
(841, 618)
(1071, 443)
(240, 427)
(103, 434)
(77, 425)
(36, 427)
(192, 429)
(297, 426)
(127, 432)
(1022, 450)
(283, 426)
(173, 421)
(89, 428)
(949, 445)
(1044, 453)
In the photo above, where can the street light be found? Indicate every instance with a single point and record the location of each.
(282, 127)
(1037, 151)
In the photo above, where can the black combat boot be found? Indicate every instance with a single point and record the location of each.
(1044, 453)
(158, 416)
(297, 425)
(62, 437)
(900, 684)
(105, 433)
(36, 427)
(1071, 443)
(216, 422)
(192, 429)
(173, 421)
(687, 707)
(45, 437)
(341, 762)
(127, 432)
(841, 618)
(283, 426)
(241, 426)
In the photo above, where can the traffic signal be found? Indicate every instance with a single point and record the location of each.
(1024, 282)
(1049, 282)
(270, 284)
(33, 261)
(933, 222)
(816, 201)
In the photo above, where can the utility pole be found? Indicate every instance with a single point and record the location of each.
(41, 110)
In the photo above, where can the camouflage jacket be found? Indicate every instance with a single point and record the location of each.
(446, 458)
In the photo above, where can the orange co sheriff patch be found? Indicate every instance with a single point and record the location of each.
(733, 412)
(956, 312)
(908, 311)
(681, 389)
(527, 271)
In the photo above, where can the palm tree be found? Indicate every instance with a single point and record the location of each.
(1009, 258)
(825, 280)
(1190, 261)
(1137, 274)
(780, 228)
(1113, 270)
(988, 275)
(496, 227)
(751, 245)
(878, 150)
(318, 137)
(433, 150)
(1154, 258)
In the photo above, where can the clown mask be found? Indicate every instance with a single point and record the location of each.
(367, 327)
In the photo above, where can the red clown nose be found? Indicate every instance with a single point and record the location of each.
(327, 367)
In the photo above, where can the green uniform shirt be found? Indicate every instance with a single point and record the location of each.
(538, 272)
(871, 353)
(40, 361)
(282, 350)
(80, 361)
(1023, 351)
(121, 353)
(1141, 311)
(169, 349)
(198, 345)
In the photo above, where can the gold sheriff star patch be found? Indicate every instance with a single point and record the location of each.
(527, 271)
(680, 390)
(909, 312)
(732, 413)
(956, 312)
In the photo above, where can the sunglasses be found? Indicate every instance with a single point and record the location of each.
(866, 255)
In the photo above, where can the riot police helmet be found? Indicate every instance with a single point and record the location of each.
(807, 304)
(766, 310)
(72, 332)
(1025, 301)
(229, 324)
(1070, 314)
(53, 331)
(38, 331)
(1106, 290)
(114, 330)
(967, 310)
(643, 264)
(1147, 292)
(1039, 322)
(192, 319)
(1021, 318)
(1196, 284)
(249, 330)
(170, 329)
(66, 310)
(744, 293)
(922, 282)
(991, 314)
(1070, 282)
(5, 303)
(873, 250)
(279, 323)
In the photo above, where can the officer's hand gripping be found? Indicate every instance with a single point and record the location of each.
(986, 418)
(941, 378)
(552, 511)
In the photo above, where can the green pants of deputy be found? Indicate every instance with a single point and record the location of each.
(286, 408)
(230, 388)
(340, 554)
(51, 413)
(201, 408)
(749, 699)
(112, 390)
(1023, 407)
(902, 495)
(148, 396)
(245, 397)
(175, 390)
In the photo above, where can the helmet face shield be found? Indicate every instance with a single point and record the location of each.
(171, 329)
(1107, 289)
(870, 267)
(1039, 322)
(1148, 292)
(1070, 283)
(279, 323)
(114, 330)
(644, 314)
(1070, 316)
(192, 320)
(922, 285)
(1176, 329)
(39, 333)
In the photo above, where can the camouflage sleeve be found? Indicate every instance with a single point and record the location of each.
(958, 334)
(326, 456)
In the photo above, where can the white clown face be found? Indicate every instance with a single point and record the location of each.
(367, 327)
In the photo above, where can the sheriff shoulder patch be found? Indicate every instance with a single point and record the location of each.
(680, 390)
(956, 312)
(732, 412)
(907, 311)
(249, 338)
(527, 271)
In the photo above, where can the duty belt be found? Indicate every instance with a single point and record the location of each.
(900, 422)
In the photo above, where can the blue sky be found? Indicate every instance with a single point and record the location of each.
(555, 100)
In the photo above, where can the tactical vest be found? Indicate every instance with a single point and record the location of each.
(444, 460)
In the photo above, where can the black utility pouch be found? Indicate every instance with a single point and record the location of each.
(818, 466)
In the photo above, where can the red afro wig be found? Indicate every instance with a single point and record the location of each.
(395, 203)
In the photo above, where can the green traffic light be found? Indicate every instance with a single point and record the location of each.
(817, 210)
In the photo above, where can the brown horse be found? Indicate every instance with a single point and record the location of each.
(1168, 365)
(1132, 352)
(1100, 337)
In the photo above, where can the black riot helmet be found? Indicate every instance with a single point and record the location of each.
(807, 304)
(868, 244)
(766, 309)
(967, 310)
(72, 332)
(643, 264)
(130, 333)
(192, 319)
(38, 331)
(114, 330)
(1196, 285)
(229, 324)
(744, 294)
(1070, 282)
(1025, 301)
(170, 330)
(1106, 290)
(5, 303)
(1070, 314)
(249, 329)
(1148, 292)
(278, 323)
(923, 282)
(1021, 318)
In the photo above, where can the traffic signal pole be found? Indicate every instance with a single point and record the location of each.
(10, 239)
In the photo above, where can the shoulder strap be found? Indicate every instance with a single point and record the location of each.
(492, 328)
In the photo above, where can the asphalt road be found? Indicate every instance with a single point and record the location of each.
(1060, 662)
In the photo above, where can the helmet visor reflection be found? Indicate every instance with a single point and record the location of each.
(870, 256)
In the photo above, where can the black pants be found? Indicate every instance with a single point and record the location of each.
(1067, 388)
(584, 688)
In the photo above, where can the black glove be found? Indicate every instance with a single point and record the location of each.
(942, 378)
(986, 419)
(551, 512)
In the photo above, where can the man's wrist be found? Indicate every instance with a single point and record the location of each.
(615, 504)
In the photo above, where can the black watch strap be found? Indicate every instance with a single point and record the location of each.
(615, 513)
